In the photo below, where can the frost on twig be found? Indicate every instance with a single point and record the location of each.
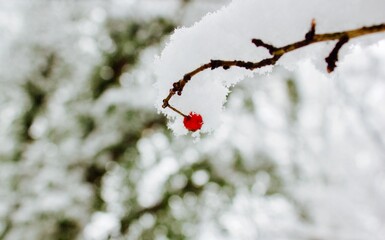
(276, 53)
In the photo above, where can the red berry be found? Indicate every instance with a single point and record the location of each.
(193, 121)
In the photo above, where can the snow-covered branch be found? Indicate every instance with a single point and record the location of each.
(310, 38)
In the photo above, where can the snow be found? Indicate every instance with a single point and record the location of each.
(273, 170)
(102, 226)
(226, 34)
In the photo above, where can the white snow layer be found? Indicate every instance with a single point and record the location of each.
(226, 35)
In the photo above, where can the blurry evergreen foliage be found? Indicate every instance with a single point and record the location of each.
(129, 39)
(66, 229)
(293, 94)
(77, 152)
(129, 42)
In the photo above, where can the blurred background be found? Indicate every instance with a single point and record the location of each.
(84, 154)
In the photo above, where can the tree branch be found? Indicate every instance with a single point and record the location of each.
(310, 38)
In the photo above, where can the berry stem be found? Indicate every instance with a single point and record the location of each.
(176, 110)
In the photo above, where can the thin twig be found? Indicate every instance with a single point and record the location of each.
(276, 53)
(333, 56)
